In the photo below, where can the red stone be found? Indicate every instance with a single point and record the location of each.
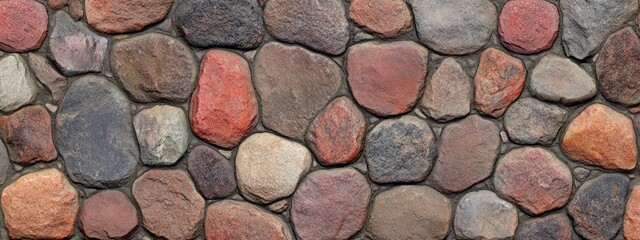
(27, 133)
(386, 78)
(121, 16)
(336, 135)
(223, 107)
(618, 66)
(385, 18)
(57, 4)
(498, 82)
(23, 25)
(528, 26)
(108, 215)
(230, 219)
(631, 224)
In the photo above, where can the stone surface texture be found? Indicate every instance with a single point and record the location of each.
(27, 133)
(17, 85)
(23, 25)
(498, 82)
(559, 80)
(447, 95)
(212, 173)
(108, 215)
(617, 65)
(483, 215)
(530, 121)
(49, 76)
(385, 18)
(528, 26)
(75, 48)
(163, 134)
(123, 16)
(556, 226)
(229, 219)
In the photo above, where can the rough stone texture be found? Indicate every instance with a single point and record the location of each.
(385, 18)
(40, 205)
(220, 23)
(631, 225)
(559, 80)
(447, 94)
(602, 137)
(400, 150)
(154, 67)
(410, 212)
(75, 48)
(76, 9)
(556, 226)
(294, 89)
(230, 219)
(529, 121)
(336, 135)
(56, 83)
(27, 133)
(17, 84)
(57, 4)
(23, 25)
(268, 167)
(5, 163)
(585, 24)
(483, 215)
(466, 154)
(97, 140)
(528, 26)
(122, 16)
(617, 67)
(224, 107)
(163, 134)
(498, 82)
(213, 174)
(320, 25)
(597, 207)
(170, 205)
(454, 27)
(108, 215)
(387, 78)
(330, 204)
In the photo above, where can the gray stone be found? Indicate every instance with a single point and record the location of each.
(163, 134)
(559, 80)
(17, 85)
(213, 174)
(483, 215)
(448, 94)
(75, 48)
(556, 226)
(581, 173)
(5, 163)
(56, 83)
(530, 121)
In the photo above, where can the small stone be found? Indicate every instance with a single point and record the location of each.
(529, 121)
(154, 67)
(597, 207)
(559, 80)
(556, 226)
(268, 167)
(52, 108)
(76, 9)
(17, 84)
(631, 225)
(170, 205)
(447, 95)
(75, 48)
(361, 36)
(293, 90)
(320, 25)
(56, 83)
(483, 215)
(279, 206)
(498, 82)
(23, 25)
(337, 134)
(400, 150)
(40, 205)
(528, 26)
(213, 174)
(330, 204)
(224, 107)
(5, 163)
(385, 18)
(229, 219)
(617, 66)
(581, 173)
(163, 134)
(602, 137)
(122, 16)
(108, 215)
(27, 133)
(387, 78)
(57, 4)
(467, 152)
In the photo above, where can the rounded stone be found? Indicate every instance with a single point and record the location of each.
(631, 225)
(40, 205)
(409, 212)
(229, 219)
(163, 134)
(400, 150)
(498, 82)
(483, 215)
(385, 18)
(224, 107)
(23, 25)
(556, 226)
(27, 133)
(617, 67)
(529, 121)
(75, 48)
(576, 85)
(268, 167)
(108, 215)
(213, 174)
(57, 4)
(123, 16)
(5, 163)
(330, 204)
(448, 93)
(387, 78)
(17, 85)
(528, 26)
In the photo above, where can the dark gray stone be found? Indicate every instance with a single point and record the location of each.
(213, 174)
(75, 48)
(5, 163)
(530, 121)
(556, 226)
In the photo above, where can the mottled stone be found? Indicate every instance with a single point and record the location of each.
(56, 83)
(27, 133)
(557, 79)
(448, 93)
(108, 215)
(618, 66)
(17, 85)
(385, 18)
(23, 25)
(581, 173)
(122, 16)
(57, 4)
(528, 26)
(498, 82)
(75, 48)
(530, 121)
(631, 225)
(556, 226)
(163, 134)
(76, 9)
(230, 219)
(213, 174)
(483, 215)
(5, 163)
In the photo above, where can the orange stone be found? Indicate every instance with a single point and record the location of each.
(27, 133)
(385, 18)
(631, 224)
(498, 82)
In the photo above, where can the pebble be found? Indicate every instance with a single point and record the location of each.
(483, 215)
(75, 48)
(23, 25)
(49, 76)
(576, 86)
(631, 224)
(213, 174)
(17, 85)
(123, 16)
(279, 206)
(498, 82)
(57, 4)
(76, 9)
(27, 133)
(581, 173)
(556, 226)
(5, 163)
(618, 64)
(163, 134)
(448, 94)
(385, 18)
(108, 215)
(229, 219)
(530, 121)
(528, 26)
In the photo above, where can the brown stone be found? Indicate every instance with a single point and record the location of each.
(448, 94)
(556, 226)
(122, 16)
(385, 18)
(23, 25)
(229, 219)
(27, 133)
(76, 9)
(498, 82)
(213, 174)
(528, 26)
(631, 224)
(56, 83)
(108, 215)
(618, 66)
(57, 4)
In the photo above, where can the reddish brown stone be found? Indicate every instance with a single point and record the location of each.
(230, 219)
(602, 137)
(631, 224)
(23, 25)
(108, 215)
(56, 83)
(556, 226)
(386, 78)
(618, 67)
(121, 16)
(224, 107)
(528, 26)
(76, 9)
(213, 174)
(57, 4)
(498, 83)
(385, 18)
(27, 133)
(336, 135)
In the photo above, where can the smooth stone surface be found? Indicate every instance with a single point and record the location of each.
(23, 25)
(618, 65)
(483, 215)
(528, 26)
(108, 215)
(49, 76)
(448, 93)
(229, 219)
(631, 224)
(384, 18)
(17, 85)
(75, 48)
(498, 82)
(558, 79)
(123, 16)
(163, 134)
(529, 121)
(27, 133)
(556, 226)
(213, 173)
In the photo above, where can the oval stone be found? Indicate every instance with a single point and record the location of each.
(529, 121)
(528, 26)
(17, 84)
(108, 215)
(23, 25)
(213, 174)
(498, 82)
(229, 219)
(27, 133)
(163, 134)
(556, 226)
(75, 48)
(617, 67)
(483, 215)
(631, 226)
(385, 18)
(448, 93)
(557, 79)
(122, 16)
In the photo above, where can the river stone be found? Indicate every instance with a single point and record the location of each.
(530, 121)
(384, 18)
(213, 174)
(163, 134)
(123, 16)
(5, 163)
(75, 48)
(17, 85)
(229, 219)
(631, 225)
(49, 76)
(556, 226)
(528, 26)
(618, 66)
(23, 25)
(557, 79)
(499, 81)
(483, 215)
(108, 215)
(448, 93)
(27, 133)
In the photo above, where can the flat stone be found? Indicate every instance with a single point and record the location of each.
(467, 152)
(336, 135)
(483, 215)
(530, 121)
(154, 67)
(597, 207)
(268, 167)
(448, 93)
(97, 140)
(224, 107)
(229, 219)
(400, 150)
(76, 9)
(294, 89)
(602, 137)
(498, 82)
(75, 48)
(163, 134)
(57, 4)
(618, 64)
(528, 26)
(5, 163)
(631, 224)
(279, 206)
(49, 76)
(40, 205)
(556, 226)
(27, 133)
(387, 78)
(108, 215)
(23, 25)
(213, 174)
(170, 205)
(454, 27)
(410, 212)
(320, 25)
(220, 23)
(330, 204)
(385, 18)
(557, 79)
(17, 85)
(122, 16)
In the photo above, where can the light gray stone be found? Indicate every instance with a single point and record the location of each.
(163, 134)
(483, 215)
(559, 80)
(17, 85)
